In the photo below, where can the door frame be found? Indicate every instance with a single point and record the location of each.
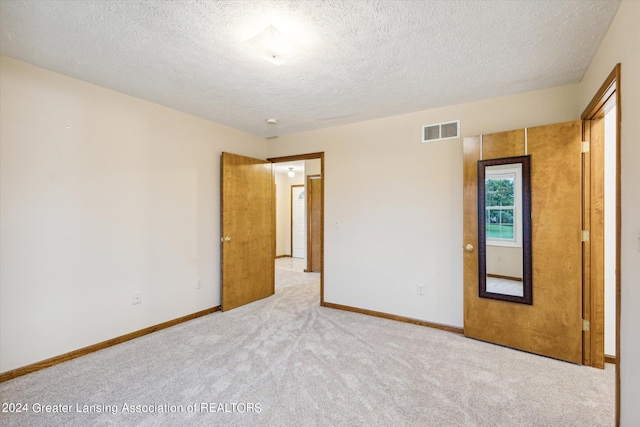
(309, 222)
(312, 156)
(609, 87)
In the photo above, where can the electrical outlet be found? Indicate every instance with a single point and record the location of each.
(199, 284)
(421, 289)
(136, 298)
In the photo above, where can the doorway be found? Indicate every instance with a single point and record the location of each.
(313, 164)
(289, 184)
(600, 226)
(602, 217)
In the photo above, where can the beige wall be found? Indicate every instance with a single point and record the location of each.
(399, 202)
(621, 45)
(504, 261)
(312, 167)
(102, 195)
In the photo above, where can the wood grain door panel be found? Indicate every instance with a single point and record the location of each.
(248, 230)
(552, 325)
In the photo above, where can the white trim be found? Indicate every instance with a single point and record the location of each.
(501, 171)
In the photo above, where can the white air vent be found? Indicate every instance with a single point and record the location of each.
(441, 131)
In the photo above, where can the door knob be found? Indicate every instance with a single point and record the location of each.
(469, 247)
(227, 239)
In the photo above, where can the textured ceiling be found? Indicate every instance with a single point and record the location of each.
(366, 59)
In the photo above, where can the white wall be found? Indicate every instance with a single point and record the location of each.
(610, 232)
(622, 45)
(283, 201)
(102, 195)
(399, 202)
(283, 211)
(283, 239)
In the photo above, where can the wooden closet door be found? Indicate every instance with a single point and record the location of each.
(552, 325)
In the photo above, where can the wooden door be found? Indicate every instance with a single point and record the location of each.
(248, 230)
(314, 221)
(552, 325)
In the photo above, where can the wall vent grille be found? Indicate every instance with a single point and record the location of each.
(441, 131)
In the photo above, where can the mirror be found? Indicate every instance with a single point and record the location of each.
(504, 229)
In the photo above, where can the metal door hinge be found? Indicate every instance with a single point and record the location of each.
(586, 146)
(586, 325)
(584, 235)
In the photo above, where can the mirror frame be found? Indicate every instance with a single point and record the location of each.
(527, 297)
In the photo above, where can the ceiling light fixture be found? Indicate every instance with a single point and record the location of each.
(291, 173)
(274, 46)
(272, 121)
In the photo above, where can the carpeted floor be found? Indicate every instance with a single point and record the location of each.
(286, 361)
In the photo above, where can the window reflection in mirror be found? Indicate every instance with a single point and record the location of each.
(504, 223)
(503, 229)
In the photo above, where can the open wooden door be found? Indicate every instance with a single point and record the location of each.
(552, 324)
(248, 230)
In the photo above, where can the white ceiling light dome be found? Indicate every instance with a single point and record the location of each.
(272, 45)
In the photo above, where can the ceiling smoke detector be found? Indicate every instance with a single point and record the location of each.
(272, 121)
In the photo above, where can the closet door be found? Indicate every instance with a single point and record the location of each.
(552, 324)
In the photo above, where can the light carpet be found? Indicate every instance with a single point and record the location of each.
(286, 361)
